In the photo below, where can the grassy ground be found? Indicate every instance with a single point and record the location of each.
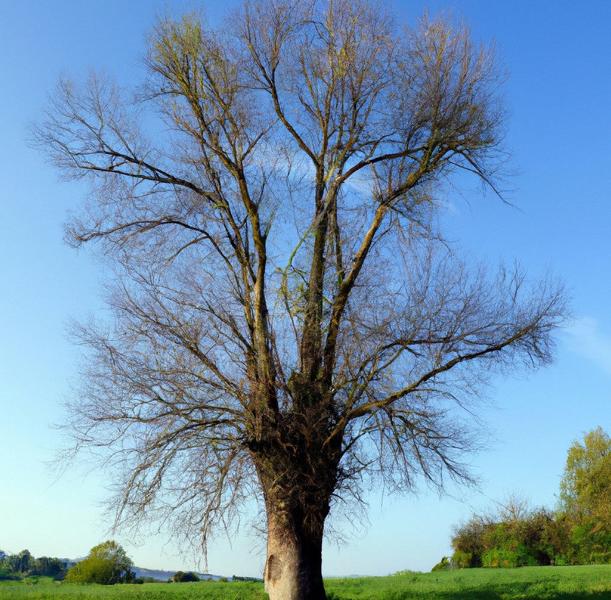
(546, 583)
(528, 583)
(147, 591)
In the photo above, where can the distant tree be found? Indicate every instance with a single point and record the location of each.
(538, 532)
(182, 577)
(585, 497)
(106, 563)
(6, 571)
(514, 509)
(289, 322)
(469, 542)
(22, 562)
(49, 567)
(585, 489)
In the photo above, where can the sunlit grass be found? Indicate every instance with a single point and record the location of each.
(528, 583)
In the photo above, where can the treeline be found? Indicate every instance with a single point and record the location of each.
(106, 564)
(17, 566)
(578, 532)
(530, 538)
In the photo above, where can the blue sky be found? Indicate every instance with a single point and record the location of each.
(557, 54)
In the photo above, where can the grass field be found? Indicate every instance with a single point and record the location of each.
(528, 583)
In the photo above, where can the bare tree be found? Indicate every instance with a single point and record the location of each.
(287, 322)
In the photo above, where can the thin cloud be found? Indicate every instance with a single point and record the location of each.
(590, 341)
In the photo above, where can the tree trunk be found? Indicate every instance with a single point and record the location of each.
(294, 556)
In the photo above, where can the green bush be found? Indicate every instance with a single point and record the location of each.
(6, 575)
(499, 557)
(443, 565)
(532, 538)
(462, 560)
(517, 556)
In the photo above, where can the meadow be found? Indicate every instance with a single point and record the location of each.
(527, 583)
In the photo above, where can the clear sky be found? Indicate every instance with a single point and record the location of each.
(558, 56)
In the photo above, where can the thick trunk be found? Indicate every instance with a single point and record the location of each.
(294, 557)
(298, 474)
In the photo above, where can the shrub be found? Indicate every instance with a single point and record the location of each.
(6, 575)
(469, 540)
(443, 565)
(463, 560)
(517, 556)
(530, 538)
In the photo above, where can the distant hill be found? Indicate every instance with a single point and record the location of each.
(162, 575)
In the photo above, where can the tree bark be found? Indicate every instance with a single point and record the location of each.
(293, 569)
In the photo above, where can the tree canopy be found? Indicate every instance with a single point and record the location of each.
(585, 490)
(106, 563)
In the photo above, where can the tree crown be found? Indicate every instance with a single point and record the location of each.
(286, 314)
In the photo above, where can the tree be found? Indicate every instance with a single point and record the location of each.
(22, 562)
(585, 496)
(182, 577)
(106, 563)
(49, 567)
(585, 488)
(288, 322)
(469, 541)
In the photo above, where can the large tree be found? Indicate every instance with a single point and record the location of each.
(288, 323)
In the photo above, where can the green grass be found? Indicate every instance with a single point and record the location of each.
(527, 583)
(208, 590)
(546, 583)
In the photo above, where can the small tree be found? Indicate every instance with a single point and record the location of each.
(106, 563)
(289, 323)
